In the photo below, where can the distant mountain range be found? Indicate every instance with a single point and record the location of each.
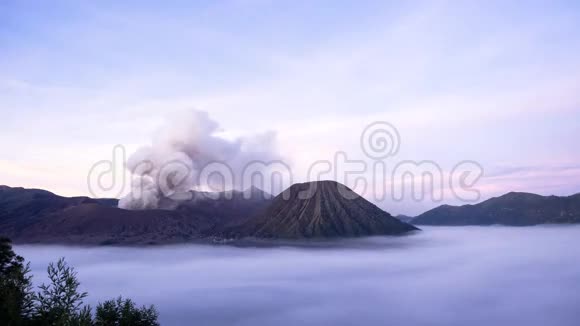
(39, 216)
(324, 209)
(514, 208)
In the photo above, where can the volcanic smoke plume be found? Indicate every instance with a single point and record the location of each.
(183, 154)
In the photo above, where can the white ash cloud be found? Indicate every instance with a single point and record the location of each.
(166, 170)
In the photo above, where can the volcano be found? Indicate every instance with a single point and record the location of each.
(323, 209)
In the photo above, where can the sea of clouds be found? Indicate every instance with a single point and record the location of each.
(441, 276)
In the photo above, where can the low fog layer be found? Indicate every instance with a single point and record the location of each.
(443, 276)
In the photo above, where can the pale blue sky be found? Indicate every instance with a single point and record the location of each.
(490, 81)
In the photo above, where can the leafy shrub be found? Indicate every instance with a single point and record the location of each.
(58, 303)
(123, 312)
(15, 286)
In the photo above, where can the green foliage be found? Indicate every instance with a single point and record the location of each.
(123, 312)
(82, 318)
(15, 286)
(58, 303)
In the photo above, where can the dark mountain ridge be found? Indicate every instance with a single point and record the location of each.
(39, 216)
(514, 208)
(20, 207)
